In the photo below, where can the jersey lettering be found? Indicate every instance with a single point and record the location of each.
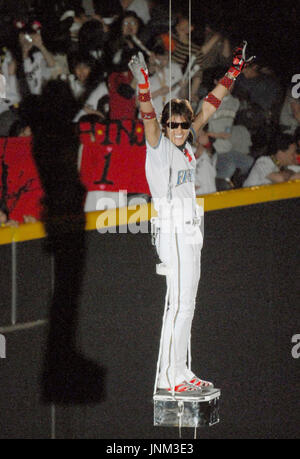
(185, 176)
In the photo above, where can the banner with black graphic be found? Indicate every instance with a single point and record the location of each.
(112, 159)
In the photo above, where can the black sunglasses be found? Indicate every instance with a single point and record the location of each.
(174, 125)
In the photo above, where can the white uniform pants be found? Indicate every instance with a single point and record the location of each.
(180, 250)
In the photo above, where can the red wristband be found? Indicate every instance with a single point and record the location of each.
(226, 81)
(148, 116)
(144, 97)
(213, 100)
(234, 72)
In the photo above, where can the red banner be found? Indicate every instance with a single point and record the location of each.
(112, 159)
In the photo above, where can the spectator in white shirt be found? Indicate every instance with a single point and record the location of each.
(91, 41)
(205, 175)
(88, 87)
(161, 90)
(26, 65)
(121, 41)
(276, 167)
(290, 113)
(37, 60)
(11, 95)
(140, 7)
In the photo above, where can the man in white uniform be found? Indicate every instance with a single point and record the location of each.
(170, 171)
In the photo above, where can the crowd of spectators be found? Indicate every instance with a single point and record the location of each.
(252, 139)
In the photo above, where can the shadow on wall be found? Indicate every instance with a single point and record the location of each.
(68, 377)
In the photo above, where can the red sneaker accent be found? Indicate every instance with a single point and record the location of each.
(184, 387)
(200, 383)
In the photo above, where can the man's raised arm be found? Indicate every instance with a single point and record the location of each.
(213, 100)
(139, 70)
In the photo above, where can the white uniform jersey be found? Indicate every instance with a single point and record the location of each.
(178, 241)
(171, 175)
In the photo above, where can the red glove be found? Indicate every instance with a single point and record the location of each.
(239, 61)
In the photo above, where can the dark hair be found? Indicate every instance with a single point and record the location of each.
(116, 31)
(4, 208)
(197, 34)
(107, 9)
(16, 50)
(182, 13)
(91, 36)
(132, 14)
(160, 50)
(281, 142)
(17, 127)
(75, 59)
(57, 36)
(95, 77)
(180, 107)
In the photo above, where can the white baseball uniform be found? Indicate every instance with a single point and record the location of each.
(171, 176)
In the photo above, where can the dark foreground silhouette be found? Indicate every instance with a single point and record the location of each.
(68, 377)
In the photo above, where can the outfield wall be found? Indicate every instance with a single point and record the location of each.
(246, 318)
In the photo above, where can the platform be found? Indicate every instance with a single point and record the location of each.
(198, 409)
